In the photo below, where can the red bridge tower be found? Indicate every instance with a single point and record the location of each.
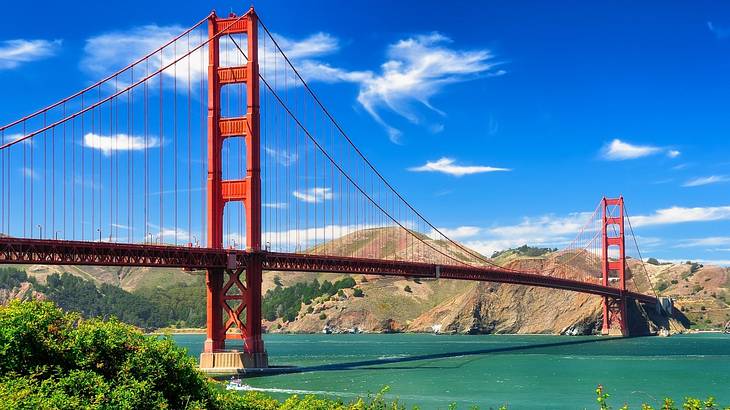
(237, 289)
(613, 260)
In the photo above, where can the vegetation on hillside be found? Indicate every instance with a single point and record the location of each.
(524, 250)
(177, 306)
(284, 302)
(147, 308)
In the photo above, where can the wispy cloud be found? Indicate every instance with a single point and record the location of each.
(712, 179)
(13, 53)
(417, 69)
(448, 166)
(678, 214)
(314, 195)
(458, 233)
(719, 32)
(618, 150)
(118, 142)
(106, 52)
(558, 231)
(282, 157)
(702, 242)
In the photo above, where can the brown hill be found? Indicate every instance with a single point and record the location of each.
(400, 304)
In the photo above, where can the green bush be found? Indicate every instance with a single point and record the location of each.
(358, 293)
(407, 289)
(50, 359)
(652, 261)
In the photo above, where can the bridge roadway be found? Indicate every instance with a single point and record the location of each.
(59, 252)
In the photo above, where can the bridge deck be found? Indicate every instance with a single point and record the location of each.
(52, 252)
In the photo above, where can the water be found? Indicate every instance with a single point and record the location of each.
(520, 371)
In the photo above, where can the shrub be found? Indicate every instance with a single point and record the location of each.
(652, 261)
(52, 359)
(407, 289)
(322, 316)
(358, 293)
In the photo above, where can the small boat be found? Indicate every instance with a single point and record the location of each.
(664, 332)
(236, 384)
(727, 328)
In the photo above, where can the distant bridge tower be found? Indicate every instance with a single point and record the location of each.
(226, 291)
(613, 266)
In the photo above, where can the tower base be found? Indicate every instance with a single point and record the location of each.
(232, 362)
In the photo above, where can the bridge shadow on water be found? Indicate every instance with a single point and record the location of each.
(374, 364)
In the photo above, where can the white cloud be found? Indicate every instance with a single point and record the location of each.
(560, 231)
(719, 32)
(30, 173)
(457, 233)
(106, 53)
(712, 179)
(13, 53)
(417, 69)
(719, 262)
(275, 205)
(110, 51)
(118, 142)
(546, 230)
(709, 241)
(16, 136)
(448, 166)
(618, 150)
(282, 157)
(677, 214)
(314, 195)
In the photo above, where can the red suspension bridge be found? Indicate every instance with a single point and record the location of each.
(213, 153)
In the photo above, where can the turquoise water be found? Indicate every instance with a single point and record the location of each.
(520, 371)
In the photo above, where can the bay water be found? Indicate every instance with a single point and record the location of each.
(522, 372)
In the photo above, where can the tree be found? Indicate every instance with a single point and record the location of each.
(358, 293)
(652, 261)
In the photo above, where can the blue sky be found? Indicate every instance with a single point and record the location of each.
(517, 117)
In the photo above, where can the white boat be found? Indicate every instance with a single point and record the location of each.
(236, 384)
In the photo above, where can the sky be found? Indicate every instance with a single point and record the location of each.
(503, 122)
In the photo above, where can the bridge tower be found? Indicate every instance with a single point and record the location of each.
(613, 266)
(234, 294)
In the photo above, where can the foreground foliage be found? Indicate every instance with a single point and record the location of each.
(668, 403)
(50, 359)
